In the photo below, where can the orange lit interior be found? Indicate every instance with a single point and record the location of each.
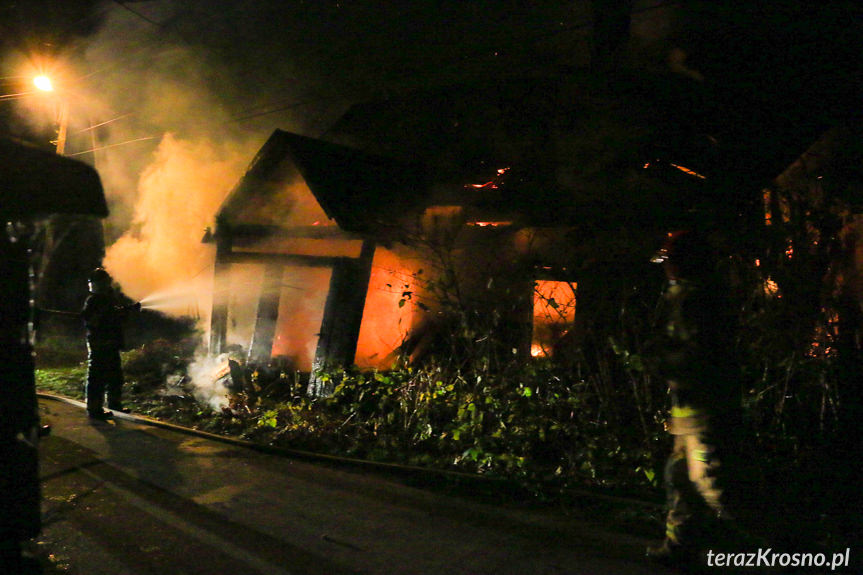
(385, 322)
(553, 314)
(301, 310)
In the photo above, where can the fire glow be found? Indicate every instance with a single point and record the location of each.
(489, 224)
(492, 184)
(553, 314)
(686, 170)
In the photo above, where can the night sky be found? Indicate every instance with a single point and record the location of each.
(300, 64)
(180, 95)
(310, 57)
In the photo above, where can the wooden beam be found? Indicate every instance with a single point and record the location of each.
(285, 259)
(261, 346)
(343, 316)
(221, 287)
(251, 232)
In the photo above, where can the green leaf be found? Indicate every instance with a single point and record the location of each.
(650, 474)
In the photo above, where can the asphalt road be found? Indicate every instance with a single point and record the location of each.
(123, 498)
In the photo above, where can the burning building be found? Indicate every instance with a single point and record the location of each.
(348, 249)
(341, 253)
(352, 255)
(282, 235)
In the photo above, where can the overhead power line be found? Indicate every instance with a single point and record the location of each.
(283, 108)
(93, 127)
(91, 150)
(138, 14)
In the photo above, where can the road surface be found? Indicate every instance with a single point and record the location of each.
(125, 498)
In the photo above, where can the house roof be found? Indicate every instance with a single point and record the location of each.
(34, 182)
(578, 144)
(460, 128)
(359, 190)
(575, 152)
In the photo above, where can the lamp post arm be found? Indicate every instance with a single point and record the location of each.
(63, 126)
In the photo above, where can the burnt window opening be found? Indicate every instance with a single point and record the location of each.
(554, 305)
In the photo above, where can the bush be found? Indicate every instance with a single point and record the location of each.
(533, 425)
(65, 381)
(148, 366)
(60, 351)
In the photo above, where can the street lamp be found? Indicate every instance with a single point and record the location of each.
(44, 84)
(60, 234)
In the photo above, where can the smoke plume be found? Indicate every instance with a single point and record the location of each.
(168, 149)
(208, 389)
(178, 196)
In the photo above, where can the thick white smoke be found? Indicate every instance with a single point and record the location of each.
(178, 196)
(208, 388)
(168, 155)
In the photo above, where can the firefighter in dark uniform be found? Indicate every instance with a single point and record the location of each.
(693, 352)
(104, 320)
(19, 418)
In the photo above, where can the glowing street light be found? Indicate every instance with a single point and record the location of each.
(43, 83)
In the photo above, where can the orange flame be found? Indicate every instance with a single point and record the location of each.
(491, 184)
(688, 171)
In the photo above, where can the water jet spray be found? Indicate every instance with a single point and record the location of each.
(171, 300)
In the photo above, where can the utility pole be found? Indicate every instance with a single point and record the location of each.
(63, 126)
(69, 243)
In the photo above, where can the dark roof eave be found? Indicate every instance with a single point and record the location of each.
(356, 188)
(35, 183)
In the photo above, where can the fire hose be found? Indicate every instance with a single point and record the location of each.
(132, 306)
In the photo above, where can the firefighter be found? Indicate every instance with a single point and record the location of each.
(104, 321)
(692, 351)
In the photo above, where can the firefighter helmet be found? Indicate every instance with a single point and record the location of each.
(100, 277)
